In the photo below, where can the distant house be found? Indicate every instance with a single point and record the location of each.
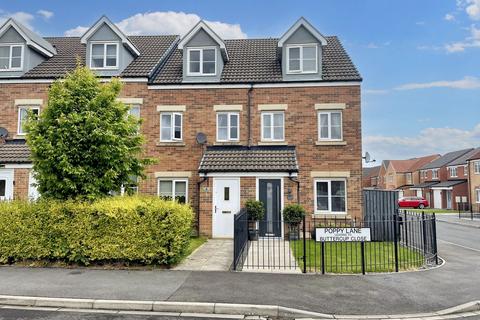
(473, 166)
(443, 180)
(370, 177)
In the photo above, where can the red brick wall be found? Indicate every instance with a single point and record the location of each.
(20, 188)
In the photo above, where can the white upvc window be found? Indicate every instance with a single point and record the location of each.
(228, 126)
(453, 172)
(330, 125)
(476, 167)
(409, 178)
(330, 196)
(103, 55)
(465, 170)
(134, 110)
(202, 61)
(273, 126)
(11, 57)
(302, 58)
(22, 117)
(173, 189)
(171, 126)
(435, 173)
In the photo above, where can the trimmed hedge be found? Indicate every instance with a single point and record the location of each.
(144, 230)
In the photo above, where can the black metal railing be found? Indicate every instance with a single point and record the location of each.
(473, 212)
(405, 242)
(240, 239)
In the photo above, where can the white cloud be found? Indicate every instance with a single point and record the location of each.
(375, 91)
(472, 41)
(24, 18)
(45, 14)
(473, 9)
(428, 141)
(75, 32)
(169, 22)
(420, 23)
(465, 83)
(449, 17)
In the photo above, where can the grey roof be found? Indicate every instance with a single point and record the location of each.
(70, 52)
(257, 61)
(449, 183)
(423, 185)
(463, 159)
(370, 171)
(14, 151)
(445, 159)
(249, 159)
(35, 37)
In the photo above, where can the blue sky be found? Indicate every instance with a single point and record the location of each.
(420, 60)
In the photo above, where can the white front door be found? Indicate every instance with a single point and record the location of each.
(449, 199)
(226, 203)
(437, 199)
(419, 193)
(6, 184)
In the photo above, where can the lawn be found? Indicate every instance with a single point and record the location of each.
(195, 242)
(437, 211)
(345, 257)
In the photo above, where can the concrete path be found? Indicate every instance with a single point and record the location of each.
(270, 255)
(454, 219)
(214, 255)
(455, 283)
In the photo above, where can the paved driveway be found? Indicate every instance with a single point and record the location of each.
(455, 283)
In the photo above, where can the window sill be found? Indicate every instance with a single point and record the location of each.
(273, 143)
(329, 215)
(170, 144)
(227, 143)
(20, 136)
(331, 143)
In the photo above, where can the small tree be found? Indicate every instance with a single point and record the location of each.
(84, 144)
(255, 210)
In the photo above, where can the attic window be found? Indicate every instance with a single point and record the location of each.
(202, 61)
(104, 56)
(302, 59)
(11, 57)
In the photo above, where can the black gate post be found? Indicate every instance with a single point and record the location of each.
(395, 239)
(434, 225)
(362, 247)
(304, 245)
(323, 257)
(424, 234)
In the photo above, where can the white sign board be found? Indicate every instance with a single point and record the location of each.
(342, 234)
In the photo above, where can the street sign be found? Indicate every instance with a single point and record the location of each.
(342, 234)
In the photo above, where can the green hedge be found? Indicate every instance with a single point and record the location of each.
(144, 230)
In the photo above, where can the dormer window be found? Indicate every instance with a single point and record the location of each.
(104, 56)
(11, 57)
(302, 59)
(202, 61)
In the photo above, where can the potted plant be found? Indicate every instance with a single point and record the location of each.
(293, 215)
(255, 212)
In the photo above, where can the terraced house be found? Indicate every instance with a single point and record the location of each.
(275, 119)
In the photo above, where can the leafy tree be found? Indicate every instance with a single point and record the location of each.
(84, 144)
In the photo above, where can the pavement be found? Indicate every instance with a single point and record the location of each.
(454, 219)
(213, 255)
(454, 283)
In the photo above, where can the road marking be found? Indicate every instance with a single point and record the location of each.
(459, 245)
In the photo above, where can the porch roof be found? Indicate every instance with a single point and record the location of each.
(249, 159)
(423, 185)
(449, 183)
(14, 151)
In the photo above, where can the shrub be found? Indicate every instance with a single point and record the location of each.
(144, 230)
(255, 210)
(293, 214)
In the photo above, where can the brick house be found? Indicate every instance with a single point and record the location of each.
(473, 167)
(370, 177)
(275, 119)
(443, 180)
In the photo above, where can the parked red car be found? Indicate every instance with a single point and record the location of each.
(412, 202)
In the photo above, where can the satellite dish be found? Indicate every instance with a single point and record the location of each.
(367, 157)
(3, 132)
(201, 138)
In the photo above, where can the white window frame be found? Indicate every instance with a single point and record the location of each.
(22, 57)
(329, 211)
(435, 176)
(409, 177)
(200, 73)
(174, 181)
(229, 138)
(172, 115)
(19, 123)
(476, 167)
(453, 172)
(329, 113)
(272, 127)
(300, 71)
(477, 195)
(104, 43)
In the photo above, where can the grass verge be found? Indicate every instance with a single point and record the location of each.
(437, 211)
(346, 257)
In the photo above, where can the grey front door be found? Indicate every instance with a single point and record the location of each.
(269, 194)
